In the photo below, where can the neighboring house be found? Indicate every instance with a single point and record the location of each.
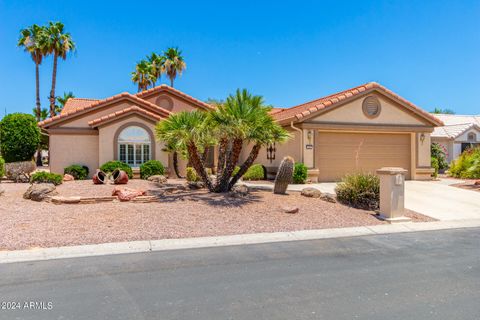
(459, 133)
(357, 130)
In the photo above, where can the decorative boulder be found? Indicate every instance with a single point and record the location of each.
(477, 183)
(68, 177)
(311, 193)
(119, 177)
(290, 210)
(99, 177)
(328, 197)
(158, 179)
(40, 191)
(239, 191)
(127, 194)
(2, 191)
(195, 185)
(19, 171)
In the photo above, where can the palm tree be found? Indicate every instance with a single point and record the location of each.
(444, 111)
(142, 75)
(59, 44)
(156, 66)
(174, 64)
(62, 100)
(186, 129)
(32, 39)
(174, 149)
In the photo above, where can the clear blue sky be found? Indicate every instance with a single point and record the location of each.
(426, 51)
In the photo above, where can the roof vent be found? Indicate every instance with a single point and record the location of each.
(371, 107)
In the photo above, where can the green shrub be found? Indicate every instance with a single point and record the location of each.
(255, 172)
(360, 191)
(110, 166)
(439, 153)
(151, 168)
(435, 166)
(192, 175)
(79, 172)
(19, 137)
(235, 170)
(467, 166)
(46, 177)
(2, 167)
(300, 173)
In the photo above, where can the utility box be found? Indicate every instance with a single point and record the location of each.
(392, 194)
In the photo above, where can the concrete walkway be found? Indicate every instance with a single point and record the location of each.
(436, 199)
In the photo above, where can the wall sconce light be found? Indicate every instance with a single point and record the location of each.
(271, 149)
(309, 136)
(422, 138)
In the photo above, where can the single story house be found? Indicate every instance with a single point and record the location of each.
(458, 133)
(360, 129)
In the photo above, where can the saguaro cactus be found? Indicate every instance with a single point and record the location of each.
(284, 175)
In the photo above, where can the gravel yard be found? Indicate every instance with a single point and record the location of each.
(27, 224)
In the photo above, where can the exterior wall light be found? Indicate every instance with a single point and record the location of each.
(422, 138)
(271, 149)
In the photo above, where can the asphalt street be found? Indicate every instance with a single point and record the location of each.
(422, 275)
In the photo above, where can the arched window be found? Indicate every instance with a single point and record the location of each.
(472, 137)
(134, 146)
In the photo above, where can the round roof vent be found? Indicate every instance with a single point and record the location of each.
(164, 102)
(371, 107)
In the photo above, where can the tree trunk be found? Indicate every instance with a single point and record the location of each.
(231, 161)
(54, 80)
(245, 166)
(222, 149)
(197, 164)
(171, 82)
(175, 165)
(38, 109)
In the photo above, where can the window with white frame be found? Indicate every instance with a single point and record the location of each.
(134, 146)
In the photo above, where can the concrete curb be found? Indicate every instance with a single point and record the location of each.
(40, 254)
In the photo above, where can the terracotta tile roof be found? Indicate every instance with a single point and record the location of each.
(277, 110)
(98, 103)
(301, 111)
(126, 111)
(74, 103)
(165, 87)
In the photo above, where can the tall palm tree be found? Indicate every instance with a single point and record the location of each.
(186, 129)
(59, 44)
(142, 75)
(156, 66)
(32, 40)
(62, 100)
(174, 64)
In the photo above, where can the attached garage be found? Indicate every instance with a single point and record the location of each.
(339, 153)
(360, 129)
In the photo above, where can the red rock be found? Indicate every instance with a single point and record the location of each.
(68, 177)
(477, 183)
(127, 194)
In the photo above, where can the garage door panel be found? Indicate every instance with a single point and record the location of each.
(340, 153)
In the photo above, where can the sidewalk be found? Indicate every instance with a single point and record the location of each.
(205, 242)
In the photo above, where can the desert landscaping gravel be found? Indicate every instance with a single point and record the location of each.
(28, 224)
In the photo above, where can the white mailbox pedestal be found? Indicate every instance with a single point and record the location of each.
(392, 194)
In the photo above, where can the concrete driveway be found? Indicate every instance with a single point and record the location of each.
(441, 201)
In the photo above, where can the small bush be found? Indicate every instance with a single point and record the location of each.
(151, 168)
(110, 166)
(77, 171)
(234, 172)
(467, 166)
(19, 137)
(255, 172)
(439, 153)
(46, 177)
(2, 167)
(300, 173)
(435, 166)
(360, 191)
(192, 175)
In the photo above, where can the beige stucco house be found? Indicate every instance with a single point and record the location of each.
(360, 129)
(458, 133)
